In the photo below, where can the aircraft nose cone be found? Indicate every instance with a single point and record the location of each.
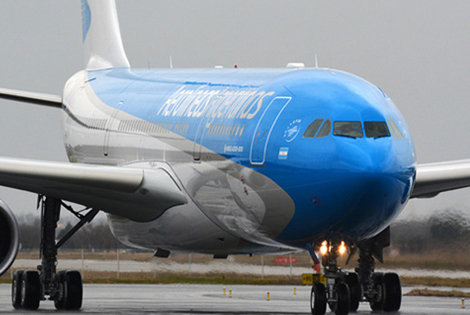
(378, 183)
(370, 156)
(358, 190)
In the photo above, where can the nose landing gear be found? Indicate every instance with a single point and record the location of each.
(344, 290)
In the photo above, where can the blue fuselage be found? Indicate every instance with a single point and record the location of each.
(237, 140)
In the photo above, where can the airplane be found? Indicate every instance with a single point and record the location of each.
(222, 161)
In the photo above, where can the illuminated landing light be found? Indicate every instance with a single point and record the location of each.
(324, 248)
(342, 248)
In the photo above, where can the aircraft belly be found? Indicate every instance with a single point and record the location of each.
(189, 227)
(238, 200)
(185, 229)
(182, 228)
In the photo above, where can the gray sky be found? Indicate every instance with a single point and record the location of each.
(418, 52)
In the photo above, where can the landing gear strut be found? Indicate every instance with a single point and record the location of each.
(344, 290)
(382, 291)
(29, 287)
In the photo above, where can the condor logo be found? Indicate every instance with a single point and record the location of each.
(292, 130)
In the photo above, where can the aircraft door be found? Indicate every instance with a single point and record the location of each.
(111, 125)
(202, 127)
(198, 140)
(263, 130)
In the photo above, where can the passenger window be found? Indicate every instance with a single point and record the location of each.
(394, 129)
(351, 129)
(312, 129)
(325, 130)
(376, 129)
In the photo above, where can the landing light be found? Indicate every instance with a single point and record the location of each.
(324, 248)
(342, 248)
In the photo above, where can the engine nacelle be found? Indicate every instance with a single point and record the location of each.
(9, 238)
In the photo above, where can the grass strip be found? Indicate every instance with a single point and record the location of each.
(436, 282)
(233, 278)
(427, 292)
(170, 278)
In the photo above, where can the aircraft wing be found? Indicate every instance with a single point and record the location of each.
(434, 178)
(31, 97)
(137, 194)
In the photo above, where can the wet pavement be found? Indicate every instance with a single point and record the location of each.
(209, 299)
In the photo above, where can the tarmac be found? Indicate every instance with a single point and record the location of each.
(210, 299)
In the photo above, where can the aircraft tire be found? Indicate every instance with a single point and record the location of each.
(391, 292)
(16, 289)
(343, 301)
(318, 299)
(59, 302)
(354, 291)
(377, 303)
(30, 290)
(73, 290)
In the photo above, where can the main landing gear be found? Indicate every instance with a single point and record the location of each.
(344, 291)
(29, 287)
(382, 291)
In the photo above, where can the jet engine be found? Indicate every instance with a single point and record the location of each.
(9, 238)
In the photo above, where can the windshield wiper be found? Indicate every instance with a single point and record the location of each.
(347, 136)
(382, 136)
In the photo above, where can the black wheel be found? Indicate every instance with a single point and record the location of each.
(30, 290)
(342, 299)
(59, 302)
(73, 290)
(318, 299)
(352, 281)
(391, 292)
(16, 289)
(376, 304)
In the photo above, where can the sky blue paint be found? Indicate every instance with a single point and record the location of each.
(352, 187)
(86, 18)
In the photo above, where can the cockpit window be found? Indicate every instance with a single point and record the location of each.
(351, 129)
(394, 130)
(312, 129)
(376, 129)
(325, 130)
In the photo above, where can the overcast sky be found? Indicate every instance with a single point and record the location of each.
(418, 52)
